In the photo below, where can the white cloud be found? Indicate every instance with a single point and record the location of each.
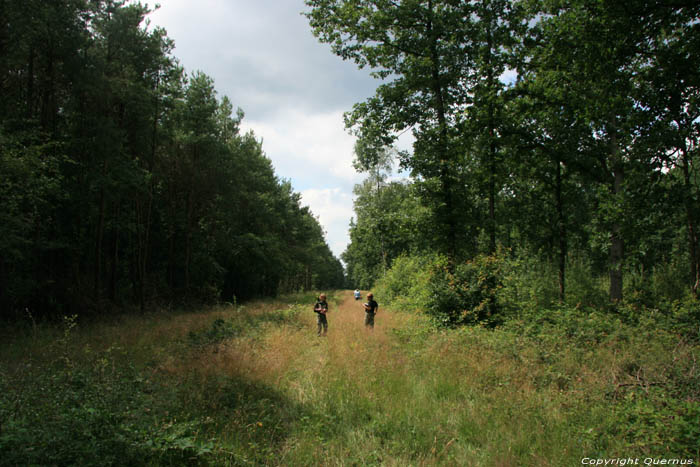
(509, 76)
(316, 153)
(307, 146)
(334, 210)
(293, 90)
(259, 49)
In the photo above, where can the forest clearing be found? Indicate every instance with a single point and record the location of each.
(254, 385)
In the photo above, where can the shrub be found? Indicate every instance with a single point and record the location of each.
(405, 285)
(528, 282)
(98, 413)
(467, 295)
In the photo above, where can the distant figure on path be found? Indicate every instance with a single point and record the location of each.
(371, 308)
(357, 294)
(321, 308)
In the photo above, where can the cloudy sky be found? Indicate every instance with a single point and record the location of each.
(293, 90)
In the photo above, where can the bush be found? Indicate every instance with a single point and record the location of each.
(96, 414)
(528, 282)
(467, 295)
(405, 286)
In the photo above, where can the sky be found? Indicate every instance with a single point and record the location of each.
(292, 89)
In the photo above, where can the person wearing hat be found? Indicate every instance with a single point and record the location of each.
(371, 308)
(321, 308)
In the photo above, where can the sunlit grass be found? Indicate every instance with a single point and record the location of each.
(232, 386)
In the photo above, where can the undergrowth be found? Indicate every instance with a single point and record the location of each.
(253, 385)
(62, 402)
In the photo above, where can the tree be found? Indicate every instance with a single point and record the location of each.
(123, 181)
(390, 221)
(420, 45)
(598, 50)
(669, 86)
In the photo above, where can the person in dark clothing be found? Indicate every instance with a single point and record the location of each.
(371, 308)
(321, 308)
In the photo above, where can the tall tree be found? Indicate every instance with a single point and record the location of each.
(445, 59)
(669, 86)
(420, 45)
(123, 181)
(597, 49)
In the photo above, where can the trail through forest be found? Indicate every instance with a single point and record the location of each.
(295, 354)
(252, 384)
(396, 395)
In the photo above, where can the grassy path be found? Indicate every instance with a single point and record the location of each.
(255, 386)
(359, 397)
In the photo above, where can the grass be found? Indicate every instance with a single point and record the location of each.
(254, 385)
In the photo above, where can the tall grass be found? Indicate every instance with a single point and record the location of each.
(254, 385)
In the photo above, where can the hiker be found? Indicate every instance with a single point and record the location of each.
(321, 308)
(357, 294)
(371, 308)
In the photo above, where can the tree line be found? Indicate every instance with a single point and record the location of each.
(125, 180)
(554, 129)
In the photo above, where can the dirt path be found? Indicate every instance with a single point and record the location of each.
(404, 397)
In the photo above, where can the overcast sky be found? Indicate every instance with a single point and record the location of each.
(293, 90)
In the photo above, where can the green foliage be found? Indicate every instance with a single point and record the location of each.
(405, 286)
(653, 422)
(125, 180)
(586, 156)
(684, 316)
(528, 282)
(389, 221)
(565, 381)
(244, 324)
(467, 294)
(98, 411)
(651, 396)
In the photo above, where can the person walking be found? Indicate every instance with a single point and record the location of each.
(321, 308)
(371, 308)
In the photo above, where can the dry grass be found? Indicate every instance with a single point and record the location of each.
(398, 395)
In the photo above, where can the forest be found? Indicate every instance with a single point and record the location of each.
(125, 181)
(534, 254)
(558, 139)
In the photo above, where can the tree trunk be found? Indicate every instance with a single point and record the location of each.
(48, 96)
(30, 84)
(616, 241)
(171, 260)
(492, 144)
(561, 227)
(143, 221)
(616, 255)
(4, 300)
(188, 238)
(112, 291)
(445, 182)
(99, 234)
(171, 229)
(692, 227)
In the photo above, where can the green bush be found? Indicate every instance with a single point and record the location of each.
(528, 281)
(653, 423)
(405, 286)
(467, 295)
(96, 414)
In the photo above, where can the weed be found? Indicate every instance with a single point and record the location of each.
(236, 385)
